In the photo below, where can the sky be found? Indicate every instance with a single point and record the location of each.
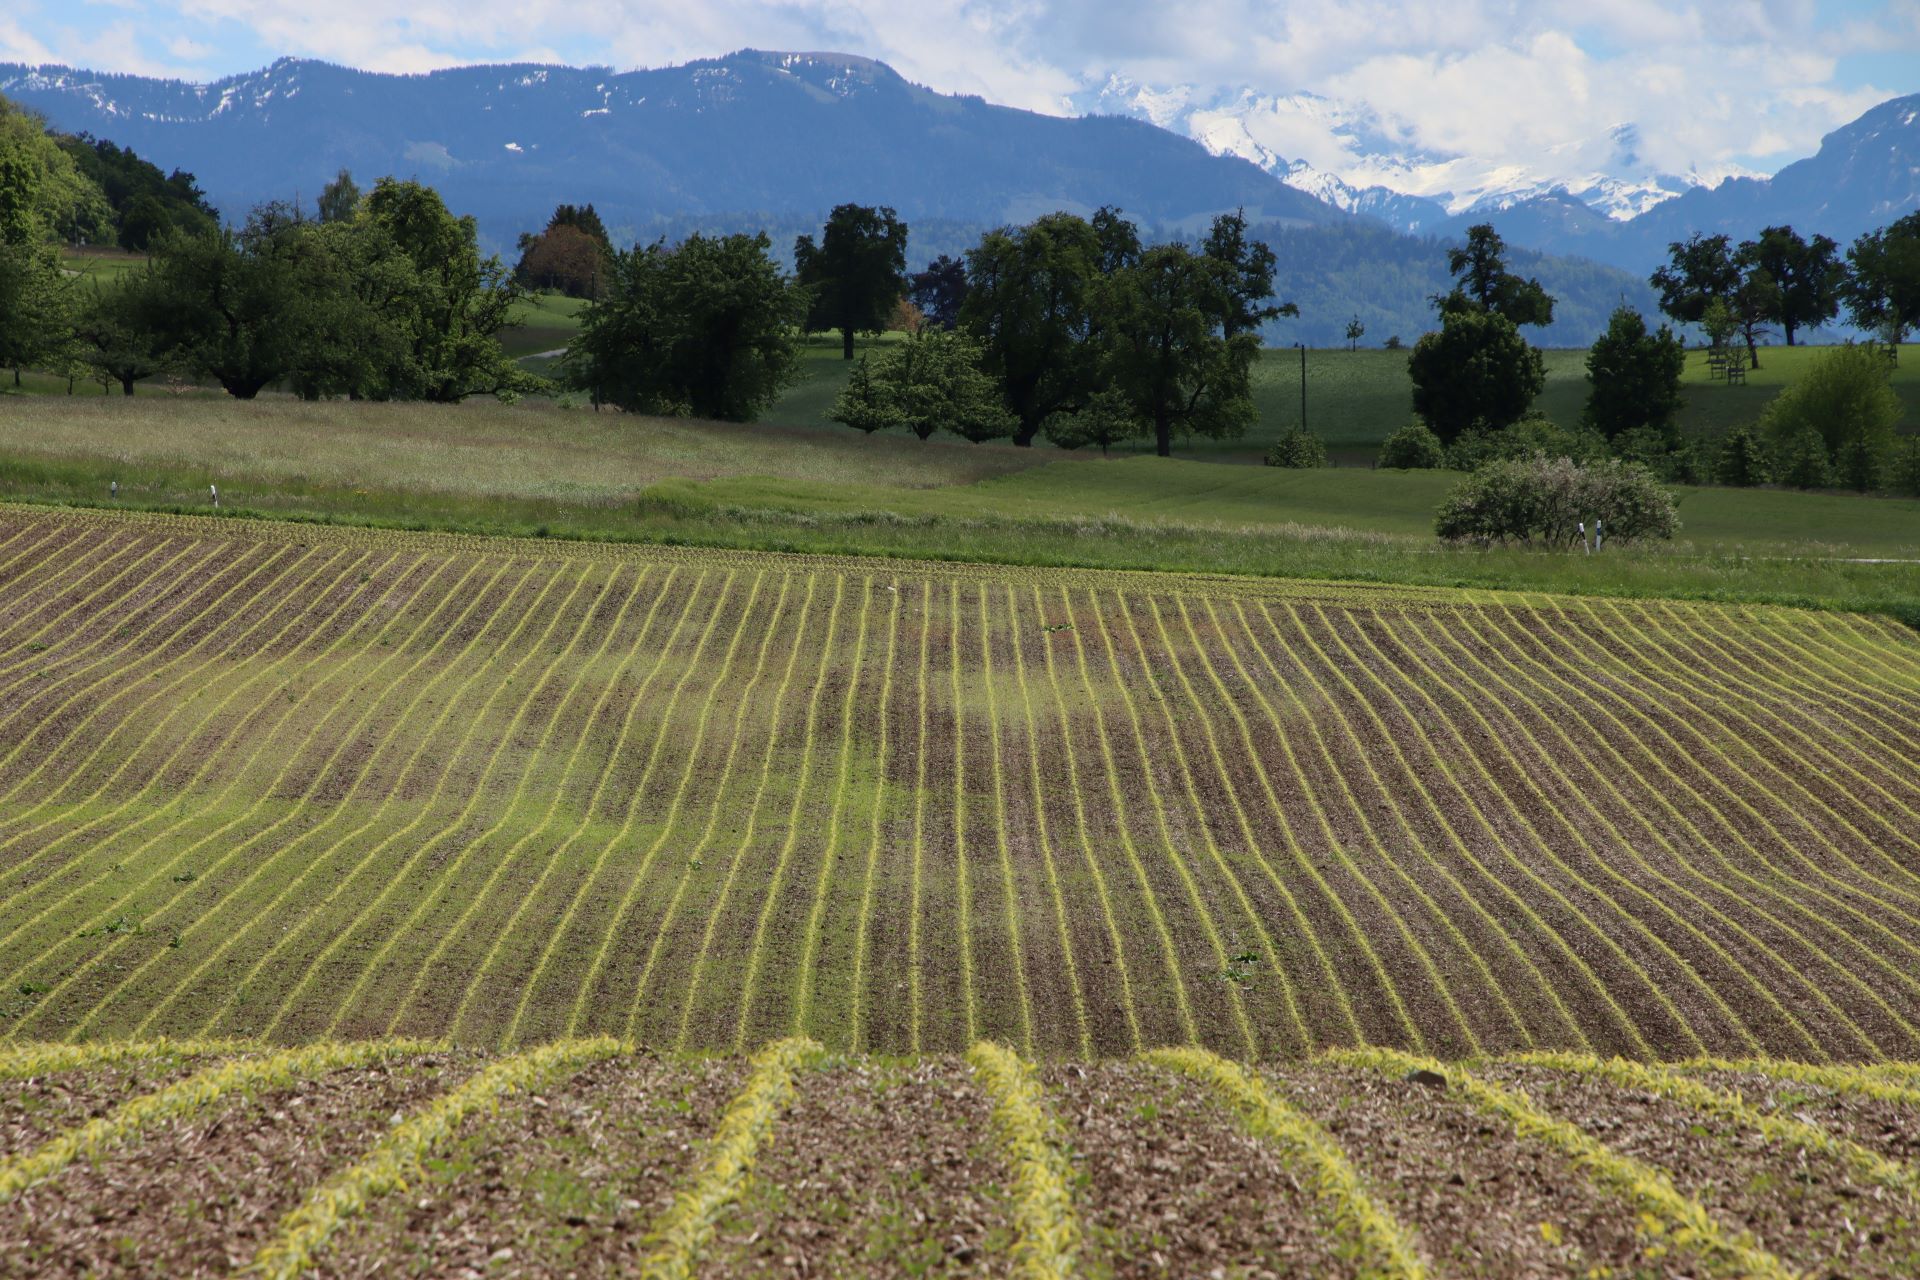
(1736, 84)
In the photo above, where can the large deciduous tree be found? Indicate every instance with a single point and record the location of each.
(1162, 341)
(1807, 277)
(1882, 289)
(1633, 377)
(1477, 371)
(1029, 307)
(1246, 275)
(856, 273)
(704, 328)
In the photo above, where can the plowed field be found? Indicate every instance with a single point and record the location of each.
(590, 1159)
(289, 783)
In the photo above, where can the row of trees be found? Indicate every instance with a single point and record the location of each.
(1067, 327)
(1783, 279)
(386, 299)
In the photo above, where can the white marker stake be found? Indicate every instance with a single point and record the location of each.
(213, 492)
(1586, 543)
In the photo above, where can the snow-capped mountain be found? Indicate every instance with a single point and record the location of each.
(1355, 159)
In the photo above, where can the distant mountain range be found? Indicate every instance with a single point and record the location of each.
(774, 140)
(752, 133)
(1600, 199)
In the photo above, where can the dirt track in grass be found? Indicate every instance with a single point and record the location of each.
(289, 782)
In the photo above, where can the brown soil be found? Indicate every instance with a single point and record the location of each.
(562, 1183)
(1808, 1208)
(1481, 1201)
(198, 1197)
(1172, 1185)
(35, 1109)
(874, 1171)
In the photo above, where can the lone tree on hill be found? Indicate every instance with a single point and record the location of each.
(856, 273)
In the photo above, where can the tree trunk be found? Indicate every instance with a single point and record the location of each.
(1753, 353)
(1024, 433)
(846, 344)
(1162, 435)
(1788, 326)
(126, 385)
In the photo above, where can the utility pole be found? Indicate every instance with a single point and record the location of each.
(1303, 384)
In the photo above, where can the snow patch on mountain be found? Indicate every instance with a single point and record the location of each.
(1353, 158)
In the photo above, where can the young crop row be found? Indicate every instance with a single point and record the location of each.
(1352, 1201)
(387, 786)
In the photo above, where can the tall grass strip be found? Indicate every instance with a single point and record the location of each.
(1379, 1244)
(195, 1093)
(963, 894)
(399, 1158)
(688, 1223)
(1684, 1222)
(1046, 1225)
(1731, 1108)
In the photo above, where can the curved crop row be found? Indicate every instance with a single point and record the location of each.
(1380, 1244)
(1683, 1220)
(398, 1157)
(195, 1093)
(688, 1223)
(1732, 1108)
(1044, 1216)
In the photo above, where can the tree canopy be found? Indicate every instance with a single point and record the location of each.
(1482, 280)
(703, 328)
(1633, 377)
(856, 273)
(1477, 371)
